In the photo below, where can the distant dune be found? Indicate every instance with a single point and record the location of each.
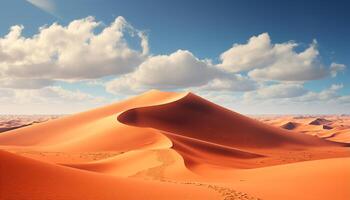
(164, 145)
(330, 127)
(289, 125)
(319, 121)
(10, 122)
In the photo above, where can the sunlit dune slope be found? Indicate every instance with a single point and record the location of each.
(312, 180)
(24, 178)
(95, 130)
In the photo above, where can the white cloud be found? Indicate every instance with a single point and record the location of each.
(52, 94)
(46, 5)
(180, 69)
(267, 61)
(297, 100)
(71, 52)
(292, 93)
(233, 82)
(257, 53)
(276, 91)
(330, 93)
(47, 100)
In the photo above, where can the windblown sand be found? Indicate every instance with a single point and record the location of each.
(162, 145)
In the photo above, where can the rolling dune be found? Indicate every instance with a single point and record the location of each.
(163, 145)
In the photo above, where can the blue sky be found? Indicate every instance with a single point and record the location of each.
(204, 30)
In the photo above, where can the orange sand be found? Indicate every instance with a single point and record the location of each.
(162, 145)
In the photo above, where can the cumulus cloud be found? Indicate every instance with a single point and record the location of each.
(330, 93)
(52, 94)
(180, 69)
(73, 52)
(234, 82)
(293, 93)
(257, 53)
(267, 61)
(47, 100)
(276, 91)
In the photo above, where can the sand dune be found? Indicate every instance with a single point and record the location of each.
(190, 115)
(319, 121)
(289, 125)
(163, 145)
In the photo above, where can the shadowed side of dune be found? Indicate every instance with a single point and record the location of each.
(197, 118)
(319, 121)
(205, 133)
(289, 125)
(197, 151)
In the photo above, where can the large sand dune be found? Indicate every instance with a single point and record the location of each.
(162, 145)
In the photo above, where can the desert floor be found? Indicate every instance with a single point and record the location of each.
(162, 145)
